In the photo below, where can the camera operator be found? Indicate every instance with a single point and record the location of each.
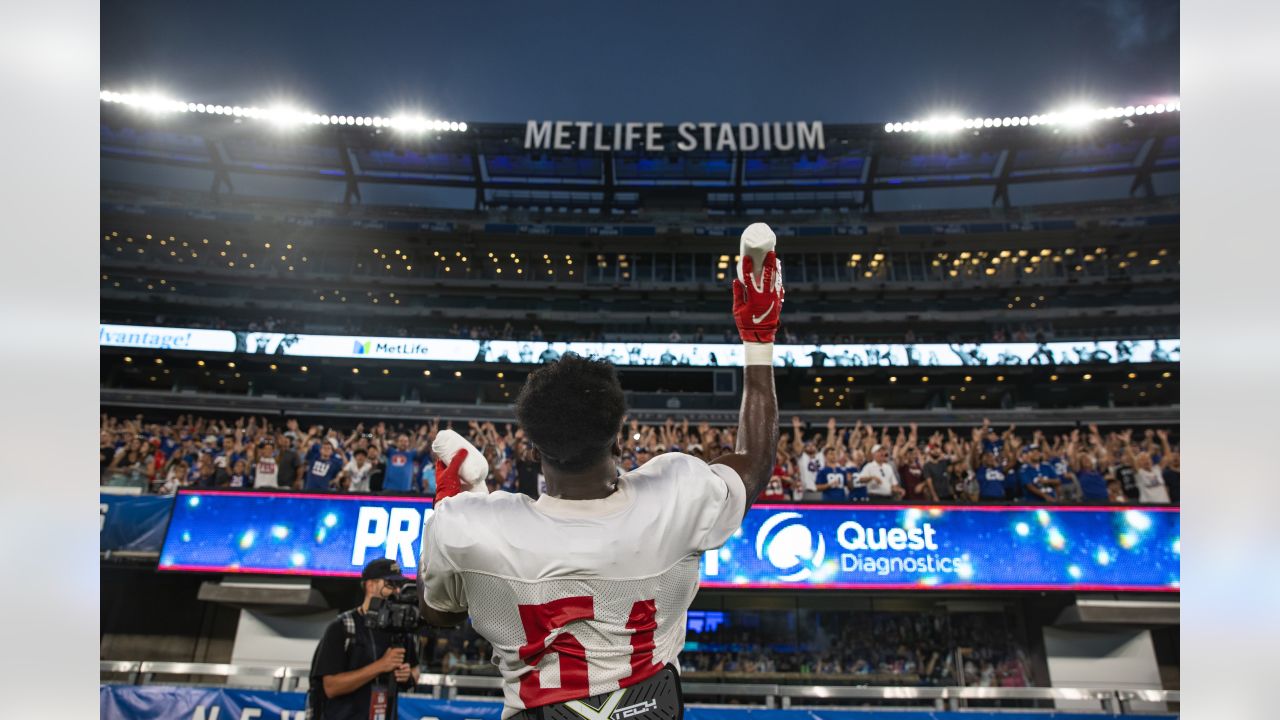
(352, 667)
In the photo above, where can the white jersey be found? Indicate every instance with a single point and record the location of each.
(883, 472)
(810, 464)
(581, 597)
(265, 472)
(359, 475)
(1151, 487)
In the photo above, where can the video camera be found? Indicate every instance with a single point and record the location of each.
(398, 614)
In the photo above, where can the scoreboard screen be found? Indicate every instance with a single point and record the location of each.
(794, 546)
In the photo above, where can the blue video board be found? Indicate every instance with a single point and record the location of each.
(278, 533)
(985, 547)
(975, 547)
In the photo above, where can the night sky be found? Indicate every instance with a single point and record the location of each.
(648, 61)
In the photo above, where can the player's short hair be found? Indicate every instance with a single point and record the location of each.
(572, 410)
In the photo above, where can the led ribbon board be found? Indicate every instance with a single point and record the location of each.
(985, 547)
(694, 354)
(798, 546)
(278, 533)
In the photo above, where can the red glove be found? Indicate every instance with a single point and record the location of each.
(756, 310)
(448, 483)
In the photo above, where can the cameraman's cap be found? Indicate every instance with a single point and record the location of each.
(382, 569)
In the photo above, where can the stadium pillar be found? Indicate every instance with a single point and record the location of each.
(220, 175)
(476, 173)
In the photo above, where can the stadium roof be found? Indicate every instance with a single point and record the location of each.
(496, 165)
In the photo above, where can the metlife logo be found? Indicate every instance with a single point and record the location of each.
(412, 349)
(381, 348)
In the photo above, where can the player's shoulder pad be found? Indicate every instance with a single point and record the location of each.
(471, 506)
(468, 519)
(667, 462)
(673, 466)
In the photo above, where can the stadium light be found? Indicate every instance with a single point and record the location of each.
(282, 115)
(1074, 116)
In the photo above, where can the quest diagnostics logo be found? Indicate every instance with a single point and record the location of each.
(906, 552)
(788, 545)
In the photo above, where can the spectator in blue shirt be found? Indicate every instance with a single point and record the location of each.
(856, 487)
(830, 480)
(323, 466)
(1038, 485)
(990, 477)
(427, 478)
(1093, 486)
(1049, 470)
(992, 442)
(167, 442)
(188, 452)
(399, 474)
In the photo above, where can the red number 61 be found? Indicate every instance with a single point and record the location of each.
(540, 621)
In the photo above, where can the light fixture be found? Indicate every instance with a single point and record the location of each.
(1073, 116)
(282, 115)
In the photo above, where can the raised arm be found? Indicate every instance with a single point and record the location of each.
(757, 307)
(757, 431)
(797, 429)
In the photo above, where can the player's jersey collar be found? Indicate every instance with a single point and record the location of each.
(620, 500)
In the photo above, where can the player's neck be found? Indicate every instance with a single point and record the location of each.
(594, 483)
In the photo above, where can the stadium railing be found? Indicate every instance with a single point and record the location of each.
(767, 695)
(185, 402)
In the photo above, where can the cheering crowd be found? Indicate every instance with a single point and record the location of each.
(862, 647)
(871, 647)
(835, 464)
